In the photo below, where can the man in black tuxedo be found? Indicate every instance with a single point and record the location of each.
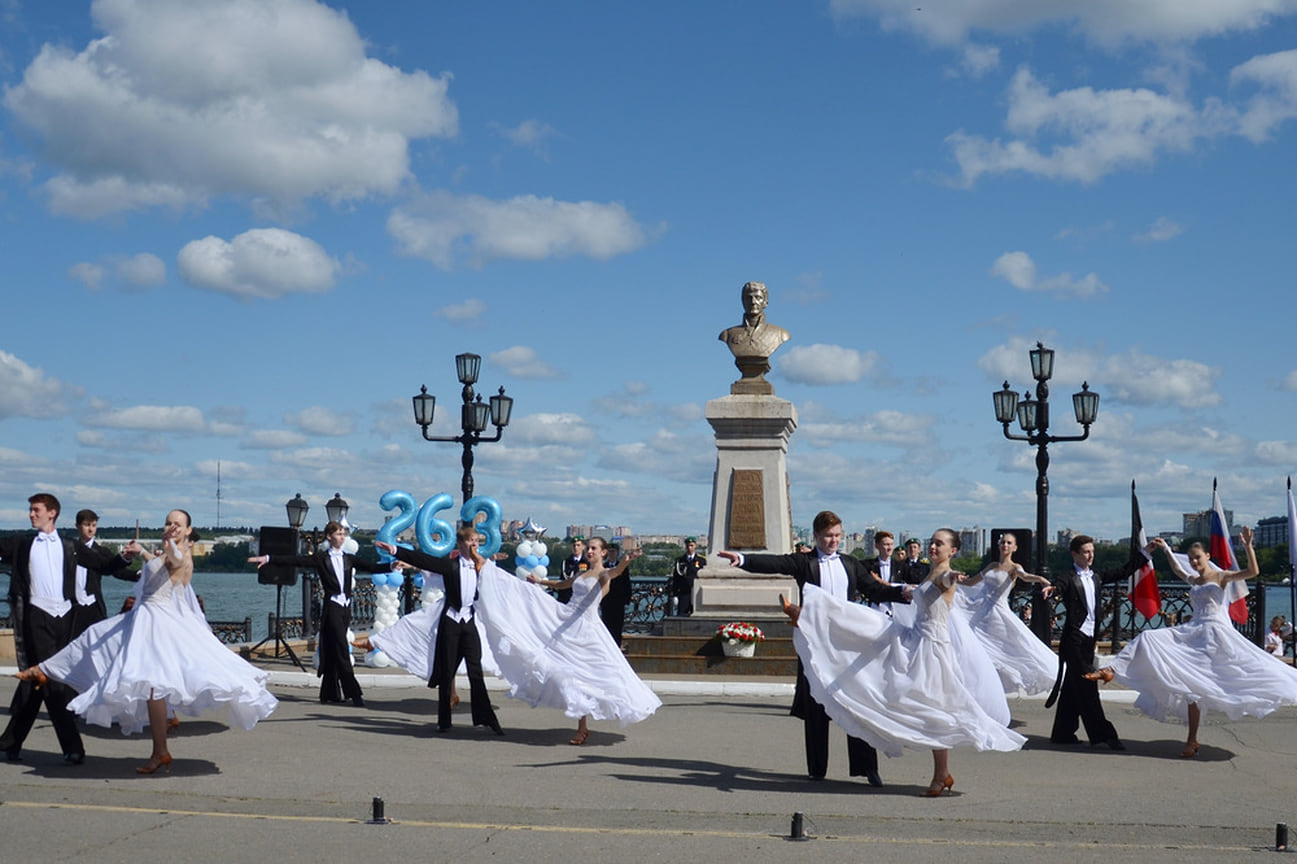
(42, 594)
(846, 578)
(90, 607)
(612, 608)
(683, 577)
(573, 565)
(336, 570)
(912, 570)
(457, 636)
(1078, 698)
(881, 565)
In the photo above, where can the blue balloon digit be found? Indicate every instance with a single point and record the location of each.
(428, 524)
(490, 529)
(393, 500)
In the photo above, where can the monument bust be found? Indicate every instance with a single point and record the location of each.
(753, 341)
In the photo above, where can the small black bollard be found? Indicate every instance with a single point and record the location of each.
(1281, 837)
(797, 830)
(378, 818)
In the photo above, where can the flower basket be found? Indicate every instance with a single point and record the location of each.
(739, 638)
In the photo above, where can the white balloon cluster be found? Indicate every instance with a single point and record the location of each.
(387, 611)
(533, 559)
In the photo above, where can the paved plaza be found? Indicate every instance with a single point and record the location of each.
(716, 774)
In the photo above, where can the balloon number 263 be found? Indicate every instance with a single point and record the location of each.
(436, 536)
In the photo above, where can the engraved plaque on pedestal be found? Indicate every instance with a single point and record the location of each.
(747, 510)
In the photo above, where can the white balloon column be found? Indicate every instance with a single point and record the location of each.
(532, 555)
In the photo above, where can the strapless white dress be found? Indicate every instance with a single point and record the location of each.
(1207, 661)
(163, 649)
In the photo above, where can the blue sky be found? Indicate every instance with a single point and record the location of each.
(248, 231)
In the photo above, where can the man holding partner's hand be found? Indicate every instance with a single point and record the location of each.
(847, 579)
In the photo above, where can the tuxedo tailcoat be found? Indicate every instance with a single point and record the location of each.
(337, 678)
(1077, 697)
(456, 641)
(39, 636)
(804, 567)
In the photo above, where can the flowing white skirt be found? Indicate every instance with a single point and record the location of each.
(411, 642)
(560, 656)
(1208, 662)
(157, 651)
(895, 686)
(1021, 660)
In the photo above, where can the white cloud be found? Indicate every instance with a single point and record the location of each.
(1083, 134)
(142, 271)
(1129, 377)
(1161, 230)
(826, 364)
(1144, 380)
(443, 228)
(28, 392)
(457, 313)
(567, 430)
(263, 262)
(531, 134)
(151, 418)
(1277, 452)
(179, 102)
(318, 420)
(1019, 270)
(979, 59)
(272, 439)
(523, 362)
(1276, 76)
(1109, 22)
(89, 275)
(887, 427)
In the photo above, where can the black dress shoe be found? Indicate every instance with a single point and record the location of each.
(74, 758)
(1064, 742)
(1111, 744)
(358, 701)
(442, 730)
(815, 778)
(874, 779)
(496, 729)
(13, 755)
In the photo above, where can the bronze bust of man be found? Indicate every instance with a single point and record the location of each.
(753, 341)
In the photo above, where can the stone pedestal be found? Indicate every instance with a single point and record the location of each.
(751, 511)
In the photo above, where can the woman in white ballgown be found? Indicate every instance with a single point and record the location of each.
(129, 668)
(1022, 661)
(899, 686)
(1204, 663)
(562, 655)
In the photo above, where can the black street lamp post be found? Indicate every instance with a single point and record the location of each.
(1033, 417)
(473, 416)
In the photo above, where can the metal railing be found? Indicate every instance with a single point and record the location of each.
(1117, 621)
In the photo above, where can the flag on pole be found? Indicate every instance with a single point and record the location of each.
(1292, 546)
(1222, 555)
(1144, 594)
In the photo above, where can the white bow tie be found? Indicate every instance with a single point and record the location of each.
(833, 557)
(46, 538)
(1089, 573)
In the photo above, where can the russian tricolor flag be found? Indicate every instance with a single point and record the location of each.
(1222, 555)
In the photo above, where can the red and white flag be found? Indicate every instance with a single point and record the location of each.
(1144, 594)
(1222, 555)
